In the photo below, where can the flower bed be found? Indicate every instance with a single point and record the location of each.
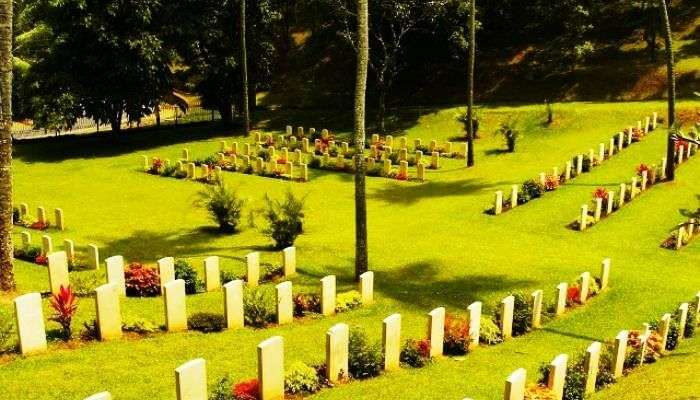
(533, 189)
(684, 233)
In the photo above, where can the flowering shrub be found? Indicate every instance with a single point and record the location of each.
(347, 301)
(364, 359)
(573, 295)
(247, 390)
(41, 260)
(456, 338)
(64, 304)
(306, 303)
(185, 271)
(489, 333)
(538, 392)
(156, 166)
(643, 167)
(141, 281)
(601, 193)
(530, 189)
(40, 226)
(551, 182)
(301, 378)
(416, 353)
(401, 176)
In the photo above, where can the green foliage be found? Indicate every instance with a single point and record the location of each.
(223, 205)
(223, 390)
(575, 381)
(84, 283)
(258, 307)
(7, 335)
(522, 313)
(285, 219)
(185, 271)
(531, 189)
(347, 301)
(365, 359)
(301, 379)
(508, 130)
(206, 322)
(489, 333)
(416, 353)
(691, 322)
(139, 325)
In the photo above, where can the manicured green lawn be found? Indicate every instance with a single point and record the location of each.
(430, 244)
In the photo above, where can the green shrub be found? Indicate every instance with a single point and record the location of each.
(691, 322)
(84, 283)
(258, 306)
(365, 359)
(285, 219)
(347, 301)
(416, 353)
(301, 378)
(206, 322)
(7, 336)
(673, 333)
(223, 390)
(530, 190)
(227, 276)
(522, 313)
(223, 205)
(140, 326)
(575, 381)
(185, 271)
(490, 333)
(605, 367)
(16, 216)
(508, 130)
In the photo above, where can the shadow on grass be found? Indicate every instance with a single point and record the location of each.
(496, 152)
(410, 194)
(573, 335)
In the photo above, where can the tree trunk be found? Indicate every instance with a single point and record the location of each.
(116, 121)
(381, 113)
(361, 257)
(671, 83)
(470, 84)
(650, 31)
(7, 275)
(244, 71)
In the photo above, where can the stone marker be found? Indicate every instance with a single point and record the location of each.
(60, 221)
(663, 168)
(610, 202)
(115, 272)
(367, 287)
(191, 380)
(557, 375)
(93, 256)
(591, 366)
(212, 279)
(605, 273)
(185, 154)
(619, 353)
(100, 396)
(515, 385)
(585, 285)
(233, 304)
(337, 340)
(697, 308)
(474, 324)
(506, 322)
(664, 327)
(567, 171)
(645, 179)
(328, 295)
(46, 245)
(435, 160)
(23, 211)
(633, 188)
(271, 368)
(623, 193)
(175, 311)
(598, 209)
(601, 152)
(420, 172)
(562, 289)
(542, 177)
(58, 271)
(386, 167)
(109, 319)
(26, 238)
(29, 322)
(620, 140)
(285, 304)
(69, 248)
(611, 148)
(41, 215)
(682, 319)
(391, 342)
(498, 203)
(166, 270)
(584, 218)
(537, 297)
(289, 261)
(513, 196)
(436, 331)
(579, 164)
(253, 269)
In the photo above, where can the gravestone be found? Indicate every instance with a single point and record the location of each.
(108, 314)
(664, 328)
(585, 279)
(285, 304)
(175, 307)
(537, 298)
(436, 331)
(46, 245)
(391, 342)
(166, 271)
(328, 295)
(682, 319)
(29, 322)
(605, 273)
(289, 261)
(233, 304)
(420, 172)
(513, 196)
(579, 164)
(271, 368)
(583, 222)
(69, 248)
(557, 375)
(191, 380)
(498, 203)
(562, 289)
(58, 271)
(337, 341)
(435, 160)
(23, 211)
(93, 256)
(619, 353)
(60, 221)
(41, 215)
(591, 366)
(598, 209)
(367, 287)
(515, 385)
(610, 202)
(623, 194)
(212, 280)
(115, 272)
(26, 238)
(474, 324)
(100, 396)
(253, 269)
(506, 321)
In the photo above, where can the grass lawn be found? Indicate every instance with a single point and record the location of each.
(430, 245)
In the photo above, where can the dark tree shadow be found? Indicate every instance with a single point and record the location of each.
(496, 152)
(573, 335)
(410, 194)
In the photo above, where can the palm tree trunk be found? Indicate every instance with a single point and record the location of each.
(244, 71)
(7, 275)
(470, 84)
(361, 258)
(671, 83)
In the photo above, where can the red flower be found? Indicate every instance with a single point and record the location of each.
(40, 226)
(680, 145)
(247, 390)
(281, 161)
(423, 347)
(573, 294)
(64, 304)
(643, 167)
(141, 281)
(41, 260)
(600, 193)
(402, 176)
(551, 182)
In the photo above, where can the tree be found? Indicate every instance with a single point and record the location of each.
(671, 84)
(470, 83)
(244, 71)
(7, 276)
(361, 257)
(651, 15)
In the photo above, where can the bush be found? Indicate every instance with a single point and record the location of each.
(508, 130)
(65, 305)
(575, 381)
(490, 333)
(416, 353)
(456, 339)
(227, 276)
(530, 190)
(185, 271)
(347, 301)
(222, 390)
(7, 335)
(258, 307)
(84, 283)
(141, 281)
(247, 390)
(140, 326)
(306, 303)
(285, 219)
(365, 360)
(691, 322)
(522, 313)
(301, 378)
(206, 322)
(605, 368)
(90, 331)
(223, 205)
(673, 333)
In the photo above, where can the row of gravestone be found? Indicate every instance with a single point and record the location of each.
(47, 247)
(569, 171)
(41, 216)
(191, 377)
(638, 184)
(515, 386)
(685, 233)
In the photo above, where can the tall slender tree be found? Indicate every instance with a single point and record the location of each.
(7, 276)
(470, 83)
(244, 71)
(361, 258)
(671, 84)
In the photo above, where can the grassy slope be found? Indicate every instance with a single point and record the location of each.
(430, 245)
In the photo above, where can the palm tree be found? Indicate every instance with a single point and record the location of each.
(244, 72)
(7, 276)
(671, 83)
(470, 83)
(361, 258)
